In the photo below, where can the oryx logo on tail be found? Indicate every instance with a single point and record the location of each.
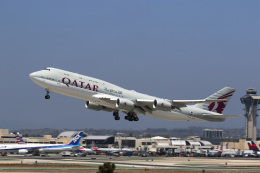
(220, 106)
(217, 107)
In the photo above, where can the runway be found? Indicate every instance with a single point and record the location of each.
(129, 164)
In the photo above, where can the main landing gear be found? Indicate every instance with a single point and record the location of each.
(131, 116)
(47, 96)
(116, 115)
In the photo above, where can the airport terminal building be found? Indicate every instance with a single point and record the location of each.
(155, 144)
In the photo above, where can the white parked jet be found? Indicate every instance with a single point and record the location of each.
(26, 148)
(108, 150)
(101, 95)
(86, 150)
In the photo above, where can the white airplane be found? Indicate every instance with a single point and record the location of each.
(255, 149)
(101, 95)
(86, 150)
(216, 152)
(109, 150)
(26, 148)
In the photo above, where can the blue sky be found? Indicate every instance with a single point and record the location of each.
(176, 49)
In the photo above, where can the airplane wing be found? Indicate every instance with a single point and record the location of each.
(177, 103)
(140, 106)
(106, 97)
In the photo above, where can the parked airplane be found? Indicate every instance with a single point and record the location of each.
(250, 146)
(19, 139)
(255, 149)
(110, 150)
(216, 153)
(42, 148)
(86, 150)
(250, 152)
(81, 149)
(101, 95)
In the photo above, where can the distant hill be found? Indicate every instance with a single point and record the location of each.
(149, 132)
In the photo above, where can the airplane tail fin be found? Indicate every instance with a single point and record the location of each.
(254, 147)
(76, 139)
(250, 146)
(19, 139)
(221, 148)
(218, 107)
(94, 146)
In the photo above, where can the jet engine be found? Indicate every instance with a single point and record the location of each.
(125, 104)
(23, 151)
(162, 105)
(96, 107)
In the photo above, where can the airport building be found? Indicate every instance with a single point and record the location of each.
(153, 144)
(101, 141)
(157, 143)
(6, 137)
(212, 133)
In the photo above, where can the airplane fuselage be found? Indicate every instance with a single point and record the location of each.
(42, 148)
(96, 92)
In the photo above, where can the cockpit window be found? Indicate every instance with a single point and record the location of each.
(47, 69)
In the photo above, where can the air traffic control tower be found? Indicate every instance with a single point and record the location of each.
(251, 101)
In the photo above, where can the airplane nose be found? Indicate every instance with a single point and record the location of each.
(32, 75)
(35, 75)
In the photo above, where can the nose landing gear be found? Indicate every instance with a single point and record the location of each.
(47, 96)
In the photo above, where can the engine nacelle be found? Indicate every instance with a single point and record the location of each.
(96, 107)
(162, 105)
(125, 104)
(23, 151)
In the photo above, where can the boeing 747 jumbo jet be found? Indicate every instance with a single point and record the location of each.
(100, 95)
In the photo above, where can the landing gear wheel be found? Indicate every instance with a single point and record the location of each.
(47, 95)
(117, 118)
(116, 115)
(131, 118)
